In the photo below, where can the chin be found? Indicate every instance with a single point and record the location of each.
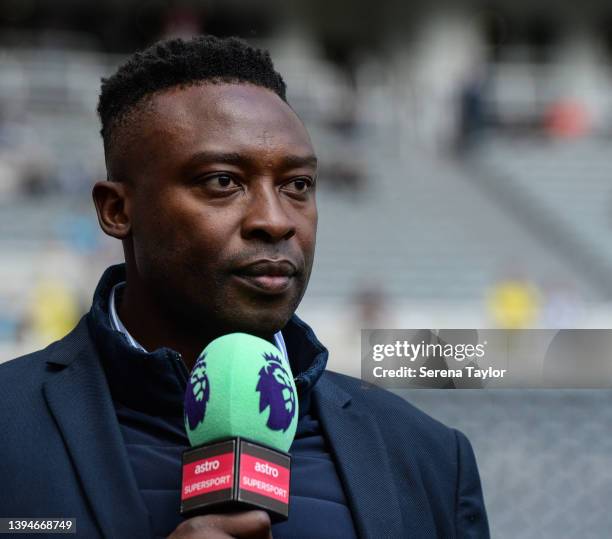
(263, 322)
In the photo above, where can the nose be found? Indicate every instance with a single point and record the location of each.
(266, 218)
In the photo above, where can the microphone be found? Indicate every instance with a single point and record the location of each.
(241, 413)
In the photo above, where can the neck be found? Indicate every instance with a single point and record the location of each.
(154, 327)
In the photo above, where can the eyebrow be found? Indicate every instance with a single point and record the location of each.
(237, 159)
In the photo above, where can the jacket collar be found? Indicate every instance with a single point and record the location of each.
(162, 371)
(307, 356)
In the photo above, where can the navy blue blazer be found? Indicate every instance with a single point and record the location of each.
(62, 454)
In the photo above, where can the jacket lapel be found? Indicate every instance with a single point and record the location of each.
(363, 463)
(79, 399)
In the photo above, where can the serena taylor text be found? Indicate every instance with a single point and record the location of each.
(424, 372)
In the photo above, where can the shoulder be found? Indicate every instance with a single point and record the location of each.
(404, 427)
(28, 367)
(425, 455)
(23, 374)
(393, 408)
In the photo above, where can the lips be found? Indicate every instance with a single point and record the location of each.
(269, 276)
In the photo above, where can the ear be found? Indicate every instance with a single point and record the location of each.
(113, 208)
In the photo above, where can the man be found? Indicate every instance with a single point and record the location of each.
(211, 189)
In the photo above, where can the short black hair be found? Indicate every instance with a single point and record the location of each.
(179, 62)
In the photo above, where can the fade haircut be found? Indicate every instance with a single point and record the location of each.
(178, 62)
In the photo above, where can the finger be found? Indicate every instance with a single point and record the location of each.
(246, 525)
(243, 525)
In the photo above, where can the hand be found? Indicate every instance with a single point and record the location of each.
(244, 525)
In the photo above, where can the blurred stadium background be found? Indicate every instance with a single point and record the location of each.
(466, 182)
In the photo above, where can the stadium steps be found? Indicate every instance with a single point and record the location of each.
(561, 192)
(422, 229)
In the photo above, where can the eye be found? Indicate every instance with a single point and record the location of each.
(219, 182)
(300, 185)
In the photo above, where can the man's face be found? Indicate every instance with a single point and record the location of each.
(222, 205)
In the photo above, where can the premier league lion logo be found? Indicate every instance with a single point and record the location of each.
(276, 392)
(198, 393)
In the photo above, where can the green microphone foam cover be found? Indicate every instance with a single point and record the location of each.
(241, 385)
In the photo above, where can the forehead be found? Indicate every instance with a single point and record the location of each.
(243, 117)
